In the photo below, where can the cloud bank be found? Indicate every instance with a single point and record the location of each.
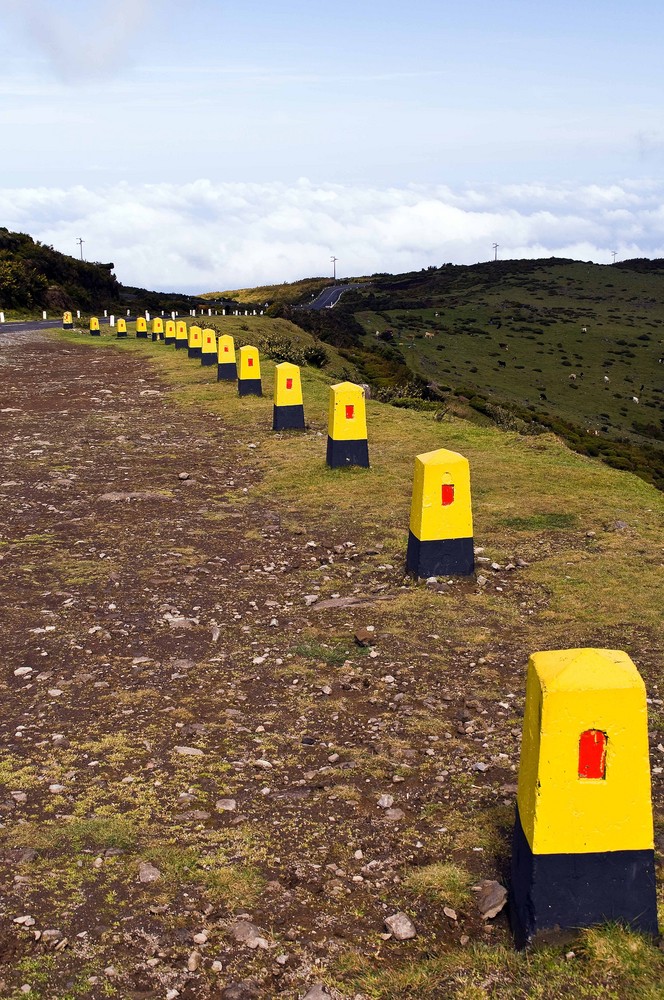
(82, 40)
(205, 236)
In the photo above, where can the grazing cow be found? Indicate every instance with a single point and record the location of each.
(606, 378)
(572, 377)
(502, 364)
(504, 347)
(635, 399)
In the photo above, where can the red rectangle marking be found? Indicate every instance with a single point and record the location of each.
(447, 494)
(250, 362)
(289, 383)
(350, 411)
(592, 754)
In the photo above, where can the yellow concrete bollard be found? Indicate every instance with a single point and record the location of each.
(67, 321)
(94, 327)
(141, 328)
(347, 427)
(169, 332)
(440, 540)
(583, 849)
(195, 342)
(226, 363)
(121, 329)
(209, 348)
(249, 372)
(181, 335)
(157, 328)
(288, 410)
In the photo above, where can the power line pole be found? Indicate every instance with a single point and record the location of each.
(80, 243)
(495, 250)
(334, 265)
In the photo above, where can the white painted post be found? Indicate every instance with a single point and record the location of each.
(43, 314)
(78, 314)
(2, 317)
(172, 315)
(111, 320)
(209, 312)
(261, 312)
(128, 312)
(223, 312)
(147, 316)
(162, 312)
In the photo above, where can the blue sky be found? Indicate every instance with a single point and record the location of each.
(287, 131)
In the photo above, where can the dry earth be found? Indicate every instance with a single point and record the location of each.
(189, 740)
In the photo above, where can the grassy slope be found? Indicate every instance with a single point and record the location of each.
(534, 498)
(291, 293)
(536, 310)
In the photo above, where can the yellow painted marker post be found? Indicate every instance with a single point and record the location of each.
(195, 342)
(121, 329)
(226, 364)
(169, 332)
(583, 850)
(181, 335)
(209, 348)
(249, 372)
(347, 427)
(141, 327)
(288, 410)
(440, 540)
(94, 327)
(157, 328)
(67, 321)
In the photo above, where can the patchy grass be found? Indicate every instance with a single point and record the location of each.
(445, 883)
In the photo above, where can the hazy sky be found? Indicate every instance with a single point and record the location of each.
(213, 144)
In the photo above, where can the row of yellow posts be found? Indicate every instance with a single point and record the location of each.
(583, 841)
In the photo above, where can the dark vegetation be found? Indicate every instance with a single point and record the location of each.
(34, 276)
(531, 345)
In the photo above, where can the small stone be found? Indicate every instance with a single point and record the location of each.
(491, 898)
(401, 927)
(385, 801)
(183, 476)
(479, 766)
(395, 814)
(194, 961)
(317, 992)
(54, 692)
(239, 991)
(148, 872)
(226, 805)
(189, 751)
(449, 912)
(51, 936)
(56, 789)
(244, 932)
(201, 937)
(310, 599)
(363, 637)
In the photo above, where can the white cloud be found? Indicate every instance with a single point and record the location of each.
(208, 236)
(84, 39)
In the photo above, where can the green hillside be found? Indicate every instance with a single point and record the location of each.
(558, 344)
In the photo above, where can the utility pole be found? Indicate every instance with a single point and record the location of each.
(495, 250)
(615, 254)
(80, 243)
(334, 265)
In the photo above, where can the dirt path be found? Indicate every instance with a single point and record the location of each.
(187, 744)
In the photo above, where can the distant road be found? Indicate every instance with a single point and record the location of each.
(328, 298)
(29, 325)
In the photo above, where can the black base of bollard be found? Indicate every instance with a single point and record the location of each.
(249, 387)
(227, 371)
(344, 453)
(207, 360)
(194, 352)
(288, 418)
(442, 557)
(554, 892)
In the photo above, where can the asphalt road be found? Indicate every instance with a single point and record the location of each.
(328, 298)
